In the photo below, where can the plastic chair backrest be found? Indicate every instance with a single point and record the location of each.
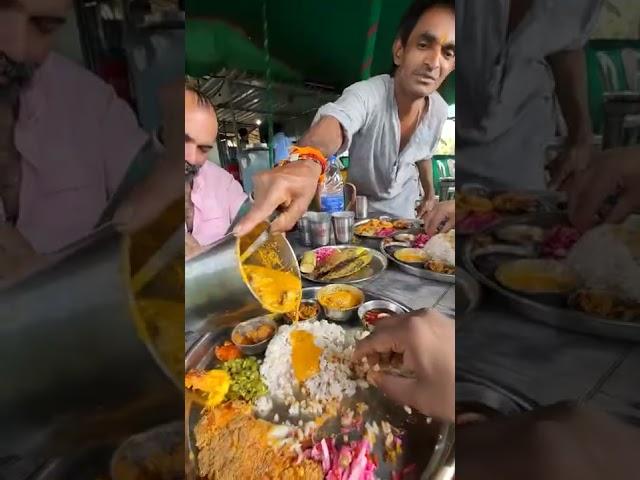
(608, 72)
(440, 169)
(631, 62)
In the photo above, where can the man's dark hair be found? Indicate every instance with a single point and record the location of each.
(243, 132)
(411, 17)
(413, 14)
(201, 99)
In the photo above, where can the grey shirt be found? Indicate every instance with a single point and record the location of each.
(368, 114)
(507, 111)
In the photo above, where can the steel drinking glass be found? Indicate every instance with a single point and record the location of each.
(320, 228)
(362, 207)
(343, 226)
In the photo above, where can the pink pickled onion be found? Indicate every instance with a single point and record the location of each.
(421, 240)
(476, 222)
(385, 232)
(323, 253)
(358, 466)
(353, 461)
(326, 458)
(559, 241)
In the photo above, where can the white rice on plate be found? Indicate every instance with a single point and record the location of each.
(334, 380)
(606, 258)
(442, 247)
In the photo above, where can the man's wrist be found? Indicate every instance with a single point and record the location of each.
(310, 153)
(430, 195)
(313, 166)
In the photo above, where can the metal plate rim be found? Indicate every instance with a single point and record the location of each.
(472, 288)
(546, 202)
(377, 237)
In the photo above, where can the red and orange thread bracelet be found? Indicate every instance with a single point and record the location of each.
(309, 153)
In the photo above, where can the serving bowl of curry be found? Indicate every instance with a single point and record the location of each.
(340, 301)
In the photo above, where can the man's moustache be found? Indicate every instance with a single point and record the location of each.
(190, 171)
(425, 73)
(17, 73)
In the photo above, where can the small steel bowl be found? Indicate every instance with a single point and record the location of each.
(335, 314)
(373, 304)
(256, 348)
(389, 242)
(310, 319)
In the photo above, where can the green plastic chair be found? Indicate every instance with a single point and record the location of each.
(605, 72)
(440, 169)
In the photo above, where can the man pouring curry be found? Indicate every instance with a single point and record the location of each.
(391, 125)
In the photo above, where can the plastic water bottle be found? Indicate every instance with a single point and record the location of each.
(332, 191)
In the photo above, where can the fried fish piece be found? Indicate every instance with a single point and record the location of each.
(344, 263)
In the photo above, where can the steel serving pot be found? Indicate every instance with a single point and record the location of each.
(72, 359)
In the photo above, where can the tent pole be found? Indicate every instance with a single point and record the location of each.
(372, 35)
(233, 118)
(265, 26)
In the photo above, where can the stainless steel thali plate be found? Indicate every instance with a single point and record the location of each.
(548, 202)
(412, 224)
(422, 434)
(556, 315)
(376, 267)
(416, 271)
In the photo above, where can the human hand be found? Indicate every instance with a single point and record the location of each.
(555, 443)
(426, 341)
(441, 218)
(428, 203)
(614, 174)
(290, 187)
(571, 161)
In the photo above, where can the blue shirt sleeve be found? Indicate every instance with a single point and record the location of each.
(281, 145)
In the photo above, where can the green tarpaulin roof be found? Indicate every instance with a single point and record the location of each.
(315, 41)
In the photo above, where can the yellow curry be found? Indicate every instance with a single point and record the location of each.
(278, 291)
(305, 355)
(340, 299)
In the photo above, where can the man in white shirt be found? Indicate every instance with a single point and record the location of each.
(390, 125)
(524, 67)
